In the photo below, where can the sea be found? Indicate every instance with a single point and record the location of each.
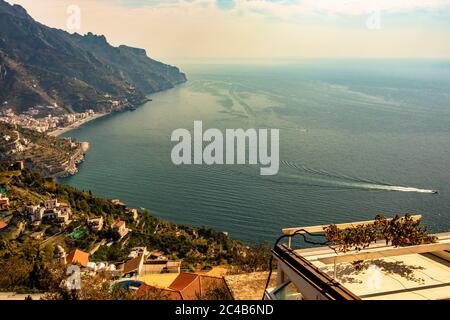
(358, 138)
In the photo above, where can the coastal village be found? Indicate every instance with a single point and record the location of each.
(47, 124)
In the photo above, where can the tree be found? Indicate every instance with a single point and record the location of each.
(399, 231)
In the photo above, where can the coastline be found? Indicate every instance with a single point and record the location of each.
(76, 125)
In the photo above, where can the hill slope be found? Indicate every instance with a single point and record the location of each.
(50, 156)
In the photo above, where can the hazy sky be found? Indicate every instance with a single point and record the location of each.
(219, 30)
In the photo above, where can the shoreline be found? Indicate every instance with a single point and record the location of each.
(76, 125)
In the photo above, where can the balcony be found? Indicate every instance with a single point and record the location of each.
(377, 272)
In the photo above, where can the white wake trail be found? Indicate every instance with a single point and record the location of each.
(346, 181)
(397, 188)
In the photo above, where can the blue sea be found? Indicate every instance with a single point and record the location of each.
(357, 138)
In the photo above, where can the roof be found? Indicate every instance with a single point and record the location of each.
(184, 280)
(191, 285)
(119, 224)
(156, 253)
(149, 292)
(133, 264)
(78, 257)
(2, 225)
(117, 202)
(184, 286)
(158, 280)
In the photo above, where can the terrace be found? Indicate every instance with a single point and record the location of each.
(379, 271)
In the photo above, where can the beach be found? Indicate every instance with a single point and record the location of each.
(76, 124)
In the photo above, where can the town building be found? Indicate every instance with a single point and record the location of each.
(158, 255)
(34, 213)
(4, 203)
(64, 208)
(52, 211)
(173, 267)
(57, 216)
(133, 267)
(78, 257)
(96, 224)
(51, 204)
(133, 213)
(120, 228)
(161, 267)
(118, 202)
(186, 286)
(102, 266)
(137, 251)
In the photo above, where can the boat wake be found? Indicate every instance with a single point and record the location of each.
(399, 188)
(349, 182)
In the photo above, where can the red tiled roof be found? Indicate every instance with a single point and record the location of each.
(133, 264)
(192, 286)
(187, 286)
(148, 292)
(2, 224)
(118, 224)
(78, 257)
(183, 281)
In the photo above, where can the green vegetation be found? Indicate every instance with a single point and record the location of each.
(28, 267)
(399, 231)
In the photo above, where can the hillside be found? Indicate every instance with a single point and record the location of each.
(42, 66)
(196, 247)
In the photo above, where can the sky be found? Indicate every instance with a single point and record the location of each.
(209, 31)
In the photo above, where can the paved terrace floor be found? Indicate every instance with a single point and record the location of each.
(414, 276)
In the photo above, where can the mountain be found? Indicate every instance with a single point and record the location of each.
(43, 66)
